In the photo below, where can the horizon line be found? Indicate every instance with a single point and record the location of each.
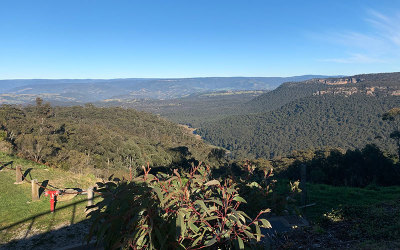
(166, 78)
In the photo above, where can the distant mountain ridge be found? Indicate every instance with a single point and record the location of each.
(380, 84)
(92, 90)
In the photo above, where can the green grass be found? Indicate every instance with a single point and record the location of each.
(329, 198)
(5, 158)
(365, 218)
(16, 206)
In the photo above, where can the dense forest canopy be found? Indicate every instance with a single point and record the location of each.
(382, 84)
(77, 137)
(334, 112)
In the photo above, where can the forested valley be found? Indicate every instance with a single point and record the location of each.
(310, 115)
(309, 123)
(325, 150)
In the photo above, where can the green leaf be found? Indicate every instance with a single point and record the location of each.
(258, 233)
(193, 227)
(244, 214)
(159, 194)
(239, 199)
(265, 223)
(265, 211)
(151, 177)
(180, 224)
(233, 218)
(248, 234)
(210, 242)
(211, 218)
(140, 242)
(254, 184)
(212, 183)
(240, 242)
(203, 206)
(197, 240)
(241, 217)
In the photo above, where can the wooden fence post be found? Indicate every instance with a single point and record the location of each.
(18, 175)
(35, 190)
(90, 195)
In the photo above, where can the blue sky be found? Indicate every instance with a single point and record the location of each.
(120, 39)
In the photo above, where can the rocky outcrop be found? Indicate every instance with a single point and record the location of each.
(340, 81)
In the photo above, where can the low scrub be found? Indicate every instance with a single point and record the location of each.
(177, 211)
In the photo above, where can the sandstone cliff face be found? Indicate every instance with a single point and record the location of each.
(356, 85)
(370, 91)
(340, 81)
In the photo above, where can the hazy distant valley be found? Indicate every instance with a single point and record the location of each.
(122, 91)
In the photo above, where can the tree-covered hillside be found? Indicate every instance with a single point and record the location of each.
(382, 84)
(78, 138)
(282, 95)
(309, 123)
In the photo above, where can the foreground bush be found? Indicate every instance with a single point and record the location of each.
(187, 211)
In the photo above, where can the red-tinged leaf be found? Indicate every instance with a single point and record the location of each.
(176, 173)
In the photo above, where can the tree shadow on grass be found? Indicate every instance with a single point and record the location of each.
(72, 236)
(43, 187)
(26, 173)
(6, 164)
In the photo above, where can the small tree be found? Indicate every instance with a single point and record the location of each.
(182, 211)
(393, 116)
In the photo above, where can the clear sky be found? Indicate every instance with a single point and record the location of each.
(120, 39)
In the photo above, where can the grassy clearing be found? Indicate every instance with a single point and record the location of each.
(16, 206)
(16, 161)
(347, 217)
(331, 198)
